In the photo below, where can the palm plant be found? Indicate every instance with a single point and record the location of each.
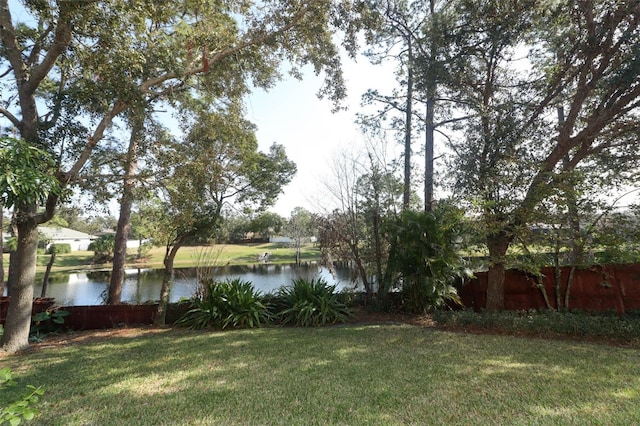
(311, 303)
(425, 260)
(230, 303)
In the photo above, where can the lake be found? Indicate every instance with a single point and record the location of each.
(143, 285)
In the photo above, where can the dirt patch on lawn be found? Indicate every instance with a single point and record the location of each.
(364, 316)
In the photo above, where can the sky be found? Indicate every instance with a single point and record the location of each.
(292, 115)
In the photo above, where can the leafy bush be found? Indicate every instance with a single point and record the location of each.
(276, 303)
(46, 322)
(103, 248)
(311, 303)
(351, 298)
(229, 303)
(22, 409)
(59, 249)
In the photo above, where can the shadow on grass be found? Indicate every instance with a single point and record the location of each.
(352, 375)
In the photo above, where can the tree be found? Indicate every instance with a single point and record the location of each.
(1, 249)
(88, 59)
(234, 227)
(409, 32)
(143, 225)
(25, 180)
(342, 232)
(369, 195)
(126, 202)
(219, 164)
(582, 56)
(397, 34)
(103, 248)
(379, 191)
(144, 132)
(266, 224)
(301, 225)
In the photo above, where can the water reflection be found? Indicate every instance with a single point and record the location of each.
(143, 285)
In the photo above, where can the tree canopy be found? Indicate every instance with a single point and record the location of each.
(76, 67)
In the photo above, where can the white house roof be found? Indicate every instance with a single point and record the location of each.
(59, 233)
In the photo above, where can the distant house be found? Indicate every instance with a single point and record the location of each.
(131, 244)
(289, 240)
(58, 235)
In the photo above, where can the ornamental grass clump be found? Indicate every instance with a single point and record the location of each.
(221, 304)
(311, 303)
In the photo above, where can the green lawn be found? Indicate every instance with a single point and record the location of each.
(358, 375)
(187, 256)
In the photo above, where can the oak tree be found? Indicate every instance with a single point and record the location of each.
(521, 61)
(95, 60)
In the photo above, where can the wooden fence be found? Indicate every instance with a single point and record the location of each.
(101, 316)
(598, 288)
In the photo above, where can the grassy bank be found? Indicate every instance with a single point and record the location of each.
(339, 375)
(232, 254)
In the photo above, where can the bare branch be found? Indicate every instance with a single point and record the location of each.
(14, 120)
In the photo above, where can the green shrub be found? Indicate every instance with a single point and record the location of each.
(229, 303)
(351, 298)
(103, 248)
(59, 249)
(311, 303)
(21, 409)
(144, 250)
(276, 303)
(46, 322)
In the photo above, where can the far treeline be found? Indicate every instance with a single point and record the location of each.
(533, 105)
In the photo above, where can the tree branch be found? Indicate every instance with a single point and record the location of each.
(106, 121)
(14, 120)
(221, 54)
(61, 41)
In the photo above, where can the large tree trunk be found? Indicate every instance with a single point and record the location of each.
(120, 249)
(124, 220)
(498, 244)
(22, 276)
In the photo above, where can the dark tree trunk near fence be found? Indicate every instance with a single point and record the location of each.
(596, 289)
(498, 245)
